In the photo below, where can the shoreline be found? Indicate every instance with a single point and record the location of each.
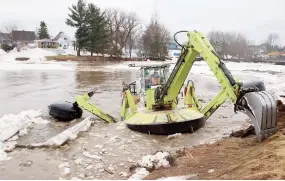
(233, 158)
(89, 58)
(118, 59)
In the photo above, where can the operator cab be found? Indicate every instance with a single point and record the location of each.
(153, 76)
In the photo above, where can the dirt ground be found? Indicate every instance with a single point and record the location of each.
(234, 158)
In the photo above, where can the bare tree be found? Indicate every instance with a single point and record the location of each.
(229, 44)
(122, 26)
(239, 46)
(272, 39)
(133, 40)
(9, 27)
(271, 42)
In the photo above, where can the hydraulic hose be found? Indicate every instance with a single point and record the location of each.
(183, 31)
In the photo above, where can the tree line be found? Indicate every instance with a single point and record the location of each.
(111, 31)
(236, 45)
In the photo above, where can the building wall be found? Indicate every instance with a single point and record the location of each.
(64, 41)
(174, 53)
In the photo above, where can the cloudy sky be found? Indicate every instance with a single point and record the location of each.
(255, 18)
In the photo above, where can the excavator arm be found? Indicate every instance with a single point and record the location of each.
(252, 99)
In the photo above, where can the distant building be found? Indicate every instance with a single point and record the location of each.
(46, 43)
(174, 49)
(63, 40)
(23, 38)
(257, 50)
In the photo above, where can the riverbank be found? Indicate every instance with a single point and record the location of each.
(101, 58)
(233, 158)
(89, 58)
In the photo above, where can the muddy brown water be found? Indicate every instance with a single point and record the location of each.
(118, 146)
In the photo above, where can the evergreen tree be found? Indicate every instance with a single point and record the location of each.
(77, 18)
(98, 34)
(43, 31)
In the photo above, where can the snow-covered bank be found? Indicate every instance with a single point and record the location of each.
(37, 61)
(34, 55)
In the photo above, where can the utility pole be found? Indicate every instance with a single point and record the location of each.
(155, 13)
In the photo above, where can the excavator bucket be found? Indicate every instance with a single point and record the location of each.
(260, 107)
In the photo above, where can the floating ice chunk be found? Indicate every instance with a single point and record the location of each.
(176, 135)
(92, 156)
(11, 124)
(9, 146)
(64, 168)
(69, 134)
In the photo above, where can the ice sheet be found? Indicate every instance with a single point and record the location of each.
(10, 124)
(13, 124)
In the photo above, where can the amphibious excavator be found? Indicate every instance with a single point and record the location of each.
(155, 107)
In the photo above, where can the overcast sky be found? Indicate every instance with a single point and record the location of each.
(254, 18)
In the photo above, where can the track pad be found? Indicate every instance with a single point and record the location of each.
(260, 107)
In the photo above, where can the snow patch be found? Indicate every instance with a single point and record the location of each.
(140, 173)
(3, 154)
(211, 171)
(74, 178)
(184, 177)
(64, 168)
(160, 159)
(9, 146)
(176, 135)
(78, 161)
(2, 52)
(34, 55)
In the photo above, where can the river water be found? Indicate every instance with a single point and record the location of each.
(35, 86)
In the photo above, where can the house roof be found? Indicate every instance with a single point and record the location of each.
(57, 36)
(23, 35)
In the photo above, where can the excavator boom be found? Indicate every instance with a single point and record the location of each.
(252, 99)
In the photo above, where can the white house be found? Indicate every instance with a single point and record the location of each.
(63, 40)
(173, 50)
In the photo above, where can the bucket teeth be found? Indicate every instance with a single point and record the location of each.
(260, 107)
